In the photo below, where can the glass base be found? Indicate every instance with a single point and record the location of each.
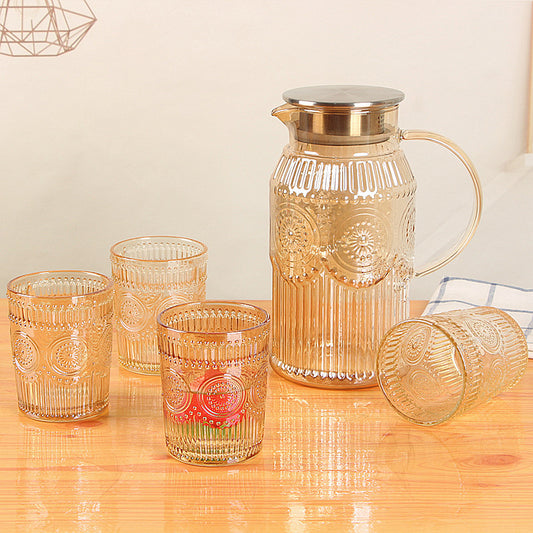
(96, 411)
(147, 369)
(322, 380)
(138, 354)
(212, 459)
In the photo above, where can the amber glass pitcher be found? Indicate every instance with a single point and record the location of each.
(342, 203)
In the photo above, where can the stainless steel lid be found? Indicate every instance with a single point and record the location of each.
(353, 96)
(342, 114)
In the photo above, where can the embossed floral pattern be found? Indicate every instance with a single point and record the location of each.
(69, 356)
(416, 344)
(104, 347)
(426, 386)
(295, 242)
(487, 334)
(407, 227)
(132, 313)
(360, 248)
(171, 301)
(361, 243)
(221, 397)
(295, 235)
(25, 352)
(216, 399)
(176, 393)
(358, 243)
(258, 390)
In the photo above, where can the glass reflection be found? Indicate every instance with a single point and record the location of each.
(64, 472)
(138, 397)
(324, 445)
(138, 423)
(230, 498)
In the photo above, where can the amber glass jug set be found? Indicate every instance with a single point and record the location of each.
(342, 243)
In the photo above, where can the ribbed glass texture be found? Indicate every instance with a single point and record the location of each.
(214, 359)
(438, 366)
(342, 244)
(152, 274)
(61, 335)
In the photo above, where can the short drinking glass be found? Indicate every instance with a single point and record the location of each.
(214, 377)
(61, 334)
(152, 274)
(438, 366)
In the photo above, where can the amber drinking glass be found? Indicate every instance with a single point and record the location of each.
(61, 338)
(213, 372)
(438, 366)
(152, 274)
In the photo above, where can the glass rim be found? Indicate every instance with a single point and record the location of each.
(194, 305)
(148, 237)
(461, 396)
(49, 273)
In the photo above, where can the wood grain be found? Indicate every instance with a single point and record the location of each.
(342, 461)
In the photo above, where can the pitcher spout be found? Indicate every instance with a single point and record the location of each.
(286, 113)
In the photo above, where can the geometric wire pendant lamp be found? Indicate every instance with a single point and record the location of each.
(43, 27)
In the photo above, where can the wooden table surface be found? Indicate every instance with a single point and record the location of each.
(336, 460)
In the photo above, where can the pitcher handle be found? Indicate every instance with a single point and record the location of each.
(422, 135)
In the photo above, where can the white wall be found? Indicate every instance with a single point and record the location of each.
(159, 122)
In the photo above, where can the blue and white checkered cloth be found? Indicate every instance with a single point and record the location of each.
(461, 293)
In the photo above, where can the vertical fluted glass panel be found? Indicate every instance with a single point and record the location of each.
(328, 335)
(61, 337)
(152, 274)
(214, 379)
(438, 366)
